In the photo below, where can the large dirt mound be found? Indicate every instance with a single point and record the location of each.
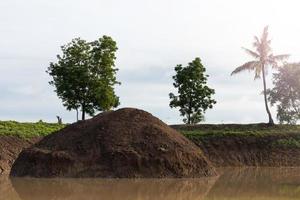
(123, 143)
(10, 147)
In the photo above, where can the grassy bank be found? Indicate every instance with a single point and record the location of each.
(201, 131)
(235, 145)
(28, 130)
(221, 130)
(290, 133)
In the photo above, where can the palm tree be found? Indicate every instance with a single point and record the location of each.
(263, 59)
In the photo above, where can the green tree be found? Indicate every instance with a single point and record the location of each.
(85, 74)
(263, 59)
(286, 93)
(194, 95)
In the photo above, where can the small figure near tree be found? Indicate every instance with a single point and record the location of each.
(194, 96)
(286, 93)
(263, 58)
(59, 120)
(84, 75)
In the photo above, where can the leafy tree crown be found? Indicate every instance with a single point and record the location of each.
(286, 93)
(85, 74)
(194, 96)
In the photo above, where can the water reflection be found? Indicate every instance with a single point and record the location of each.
(257, 184)
(142, 189)
(7, 191)
(233, 184)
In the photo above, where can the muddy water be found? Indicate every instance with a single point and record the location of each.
(232, 184)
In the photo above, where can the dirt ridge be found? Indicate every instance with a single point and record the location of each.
(263, 151)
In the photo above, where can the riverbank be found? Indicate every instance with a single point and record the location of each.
(15, 136)
(235, 145)
(227, 145)
(10, 147)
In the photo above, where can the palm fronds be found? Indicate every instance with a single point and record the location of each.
(274, 60)
(256, 42)
(252, 53)
(263, 55)
(280, 57)
(247, 66)
(265, 34)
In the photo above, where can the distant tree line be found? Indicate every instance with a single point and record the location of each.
(84, 77)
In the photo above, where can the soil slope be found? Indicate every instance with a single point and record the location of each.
(123, 143)
(231, 151)
(10, 147)
(247, 145)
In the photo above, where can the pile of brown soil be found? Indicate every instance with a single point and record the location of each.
(123, 143)
(10, 147)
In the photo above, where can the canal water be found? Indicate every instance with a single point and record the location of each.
(232, 184)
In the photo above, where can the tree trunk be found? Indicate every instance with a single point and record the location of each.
(190, 110)
(271, 122)
(83, 112)
(77, 114)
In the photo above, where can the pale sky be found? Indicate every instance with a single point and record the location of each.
(153, 36)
